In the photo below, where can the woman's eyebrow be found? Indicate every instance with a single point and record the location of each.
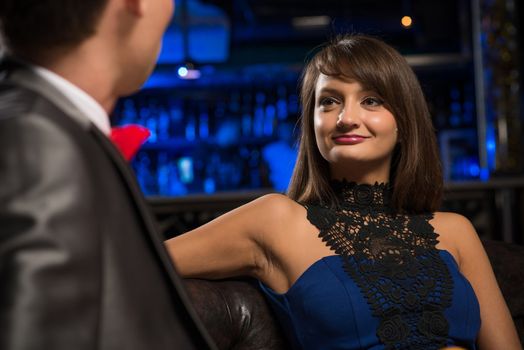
(331, 90)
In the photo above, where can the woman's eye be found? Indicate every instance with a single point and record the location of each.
(327, 101)
(372, 102)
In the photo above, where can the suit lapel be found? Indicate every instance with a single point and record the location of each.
(157, 240)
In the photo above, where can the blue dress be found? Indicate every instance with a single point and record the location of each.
(382, 289)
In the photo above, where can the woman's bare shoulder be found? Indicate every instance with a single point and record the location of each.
(456, 233)
(276, 206)
(450, 220)
(280, 219)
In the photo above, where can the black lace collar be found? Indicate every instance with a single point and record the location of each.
(351, 193)
(393, 259)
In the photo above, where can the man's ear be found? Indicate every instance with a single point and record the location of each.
(137, 7)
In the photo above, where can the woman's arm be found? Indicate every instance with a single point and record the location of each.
(497, 330)
(232, 244)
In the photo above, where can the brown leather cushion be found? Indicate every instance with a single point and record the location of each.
(236, 314)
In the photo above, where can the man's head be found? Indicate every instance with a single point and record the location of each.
(30, 26)
(120, 37)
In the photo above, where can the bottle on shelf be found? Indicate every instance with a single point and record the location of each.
(210, 145)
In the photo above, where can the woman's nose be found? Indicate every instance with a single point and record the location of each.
(348, 119)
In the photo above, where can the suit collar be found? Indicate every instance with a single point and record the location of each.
(14, 71)
(80, 98)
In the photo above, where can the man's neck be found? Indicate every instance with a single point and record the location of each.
(86, 68)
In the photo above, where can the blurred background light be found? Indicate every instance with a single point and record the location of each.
(406, 21)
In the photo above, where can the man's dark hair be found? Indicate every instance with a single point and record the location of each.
(30, 26)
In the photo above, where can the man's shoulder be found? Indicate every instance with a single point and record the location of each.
(22, 108)
(17, 102)
(30, 124)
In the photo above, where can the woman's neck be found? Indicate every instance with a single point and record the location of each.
(363, 172)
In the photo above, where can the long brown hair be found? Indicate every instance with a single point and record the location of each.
(416, 173)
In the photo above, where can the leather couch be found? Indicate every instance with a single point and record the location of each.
(238, 316)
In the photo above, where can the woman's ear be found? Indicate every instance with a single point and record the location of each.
(136, 7)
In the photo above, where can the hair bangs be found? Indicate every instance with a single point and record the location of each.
(352, 63)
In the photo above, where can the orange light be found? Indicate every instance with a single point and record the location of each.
(406, 21)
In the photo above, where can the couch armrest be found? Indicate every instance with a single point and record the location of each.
(236, 314)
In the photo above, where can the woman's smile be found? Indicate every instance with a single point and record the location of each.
(349, 139)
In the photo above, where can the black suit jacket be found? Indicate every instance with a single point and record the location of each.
(82, 265)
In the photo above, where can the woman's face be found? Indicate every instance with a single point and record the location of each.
(353, 129)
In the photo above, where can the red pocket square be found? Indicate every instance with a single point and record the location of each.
(129, 138)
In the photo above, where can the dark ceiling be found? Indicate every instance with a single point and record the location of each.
(438, 25)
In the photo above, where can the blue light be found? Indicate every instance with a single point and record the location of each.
(484, 174)
(182, 71)
(189, 72)
(474, 170)
(209, 185)
(281, 158)
(185, 168)
(491, 145)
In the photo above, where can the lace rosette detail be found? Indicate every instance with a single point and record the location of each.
(393, 260)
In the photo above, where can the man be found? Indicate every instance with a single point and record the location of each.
(81, 263)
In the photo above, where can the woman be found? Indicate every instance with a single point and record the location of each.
(355, 256)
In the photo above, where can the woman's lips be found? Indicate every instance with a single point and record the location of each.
(349, 139)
